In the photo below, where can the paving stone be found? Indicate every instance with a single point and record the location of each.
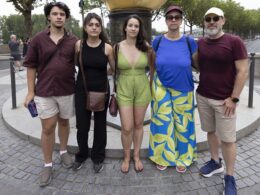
(250, 171)
(240, 184)
(194, 168)
(212, 190)
(248, 181)
(77, 187)
(202, 192)
(68, 186)
(20, 175)
(195, 185)
(255, 178)
(186, 177)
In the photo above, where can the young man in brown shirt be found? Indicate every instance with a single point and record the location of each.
(51, 83)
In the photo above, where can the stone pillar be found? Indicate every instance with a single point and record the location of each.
(117, 17)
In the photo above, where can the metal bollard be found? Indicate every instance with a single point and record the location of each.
(251, 80)
(13, 85)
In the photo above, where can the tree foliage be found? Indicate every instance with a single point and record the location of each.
(13, 24)
(25, 7)
(238, 20)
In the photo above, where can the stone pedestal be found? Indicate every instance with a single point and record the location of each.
(118, 17)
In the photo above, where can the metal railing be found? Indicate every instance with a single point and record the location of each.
(13, 84)
(250, 95)
(251, 80)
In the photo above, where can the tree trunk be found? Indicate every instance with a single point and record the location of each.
(28, 24)
(191, 29)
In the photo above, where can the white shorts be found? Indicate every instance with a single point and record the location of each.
(48, 107)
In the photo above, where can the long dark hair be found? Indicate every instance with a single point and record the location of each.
(141, 40)
(102, 35)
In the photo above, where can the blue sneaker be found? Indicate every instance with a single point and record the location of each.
(229, 185)
(211, 167)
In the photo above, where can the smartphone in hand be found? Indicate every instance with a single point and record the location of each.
(32, 108)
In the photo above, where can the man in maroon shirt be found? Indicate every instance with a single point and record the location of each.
(223, 67)
(50, 62)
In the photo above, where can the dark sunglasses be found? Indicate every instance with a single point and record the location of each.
(209, 19)
(170, 17)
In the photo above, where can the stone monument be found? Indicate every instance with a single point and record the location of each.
(120, 9)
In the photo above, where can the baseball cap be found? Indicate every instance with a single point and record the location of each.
(173, 8)
(215, 10)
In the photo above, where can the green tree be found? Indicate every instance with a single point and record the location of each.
(13, 24)
(25, 7)
(91, 4)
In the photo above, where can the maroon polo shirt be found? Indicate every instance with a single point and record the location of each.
(217, 65)
(56, 77)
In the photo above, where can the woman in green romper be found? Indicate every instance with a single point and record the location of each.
(133, 90)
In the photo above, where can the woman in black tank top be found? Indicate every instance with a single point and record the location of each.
(96, 54)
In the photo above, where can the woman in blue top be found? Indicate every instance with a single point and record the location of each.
(172, 136)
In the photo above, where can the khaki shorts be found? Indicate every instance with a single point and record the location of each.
(212, 118)
(48, 107)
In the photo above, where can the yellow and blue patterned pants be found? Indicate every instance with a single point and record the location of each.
(172, 129)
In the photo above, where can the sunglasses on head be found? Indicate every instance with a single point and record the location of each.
(177, 17)
(209, 19)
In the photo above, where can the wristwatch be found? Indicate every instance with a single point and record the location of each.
(235, 100)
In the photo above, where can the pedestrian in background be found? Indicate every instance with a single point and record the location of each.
(26, 43)
(14, 45)
(223, 72)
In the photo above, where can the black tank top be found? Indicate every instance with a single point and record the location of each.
(95, 66)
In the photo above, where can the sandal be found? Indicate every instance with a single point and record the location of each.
(125, 170)
(181, 169)
(136, 167)
(161, 167)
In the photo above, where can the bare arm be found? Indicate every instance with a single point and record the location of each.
(241, 76)
(31, 76)
(151, 54)
(195, 60)
(242, 73)
(110, 55)
(77, 46)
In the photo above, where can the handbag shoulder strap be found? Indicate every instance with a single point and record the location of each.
(51, 56)
(189, 46)
(116, 49)
(81, 66)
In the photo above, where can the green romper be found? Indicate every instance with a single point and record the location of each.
(133, 87)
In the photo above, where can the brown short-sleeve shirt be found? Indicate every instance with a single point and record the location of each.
(217, 65)
(57, 76)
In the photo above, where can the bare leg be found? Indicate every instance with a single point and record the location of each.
(126, 116)
(48, 137)
(17, 64)
(214, 144)
(139, 113)
(229, 154)
(63, 131)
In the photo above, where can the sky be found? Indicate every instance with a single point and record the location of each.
(8, 8)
